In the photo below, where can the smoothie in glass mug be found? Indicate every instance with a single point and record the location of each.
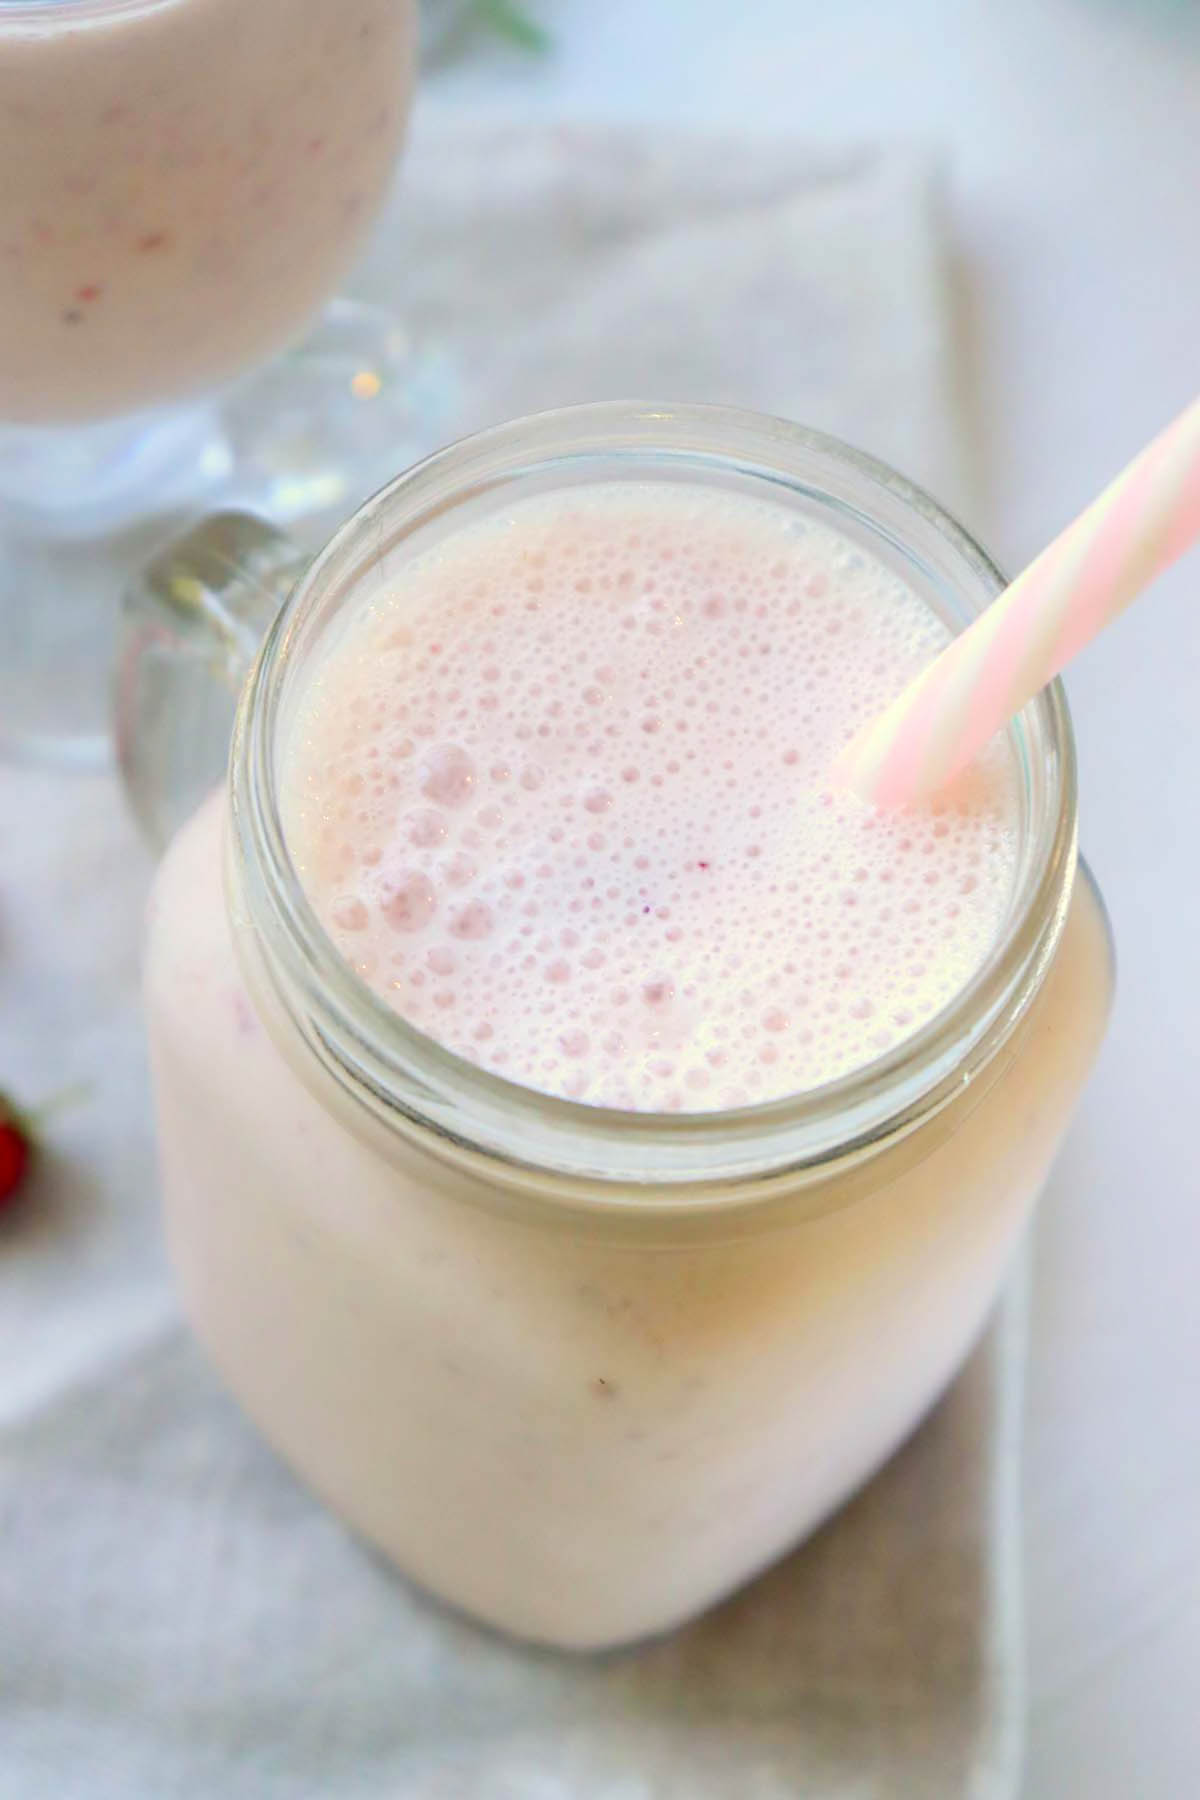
(186, 182)
(590, 1141)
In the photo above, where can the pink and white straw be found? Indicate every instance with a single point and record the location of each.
(1137, 527)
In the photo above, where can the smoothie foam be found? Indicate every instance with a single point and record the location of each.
(560, 797)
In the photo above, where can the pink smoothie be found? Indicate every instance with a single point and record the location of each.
(561, 798)
(184, 182)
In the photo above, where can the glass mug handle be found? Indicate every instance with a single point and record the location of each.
(191, 623)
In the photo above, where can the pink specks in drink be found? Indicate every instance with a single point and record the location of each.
(448, 775)
(427, 827)
(474, 920)
(244, 1017)
(349, 914)
(459, 870)
(659, 992)
(409, 902)
(632, 885)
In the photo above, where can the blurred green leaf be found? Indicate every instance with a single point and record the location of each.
(508, 20)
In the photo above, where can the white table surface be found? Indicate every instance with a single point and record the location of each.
(1072, 131)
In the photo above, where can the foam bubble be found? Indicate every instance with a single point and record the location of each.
(577, 759)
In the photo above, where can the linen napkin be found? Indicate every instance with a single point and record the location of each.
(178, 1617)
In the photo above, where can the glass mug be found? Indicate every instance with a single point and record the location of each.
(184, 186)
(578, 1372)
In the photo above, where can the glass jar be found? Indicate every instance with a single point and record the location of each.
(576, 1371)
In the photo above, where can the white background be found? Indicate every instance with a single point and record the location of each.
(1072, 135)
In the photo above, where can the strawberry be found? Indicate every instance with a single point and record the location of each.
(15, 1150)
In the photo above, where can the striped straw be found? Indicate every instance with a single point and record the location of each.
(1137, 527)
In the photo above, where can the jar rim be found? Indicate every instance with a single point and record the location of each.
(574, 1151)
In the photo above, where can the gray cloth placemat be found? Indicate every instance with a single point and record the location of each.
(178, 1619)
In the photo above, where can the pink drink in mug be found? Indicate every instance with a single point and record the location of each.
(590, 1143)
(186, 182)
